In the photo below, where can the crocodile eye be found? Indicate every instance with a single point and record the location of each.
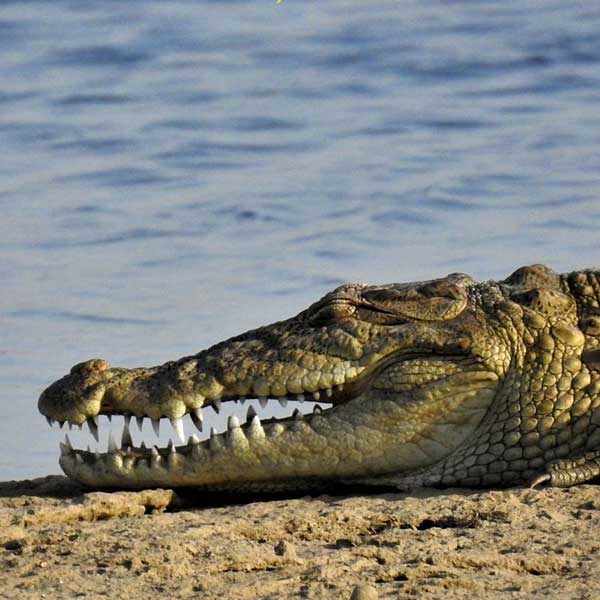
(438, 300)
(372, 315)
(334, 311)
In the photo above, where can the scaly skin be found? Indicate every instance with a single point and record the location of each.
(440, 383)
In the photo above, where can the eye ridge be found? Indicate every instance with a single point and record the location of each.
(336, 310)
(377, 309)
(340, 310)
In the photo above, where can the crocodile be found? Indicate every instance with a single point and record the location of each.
(447, 382)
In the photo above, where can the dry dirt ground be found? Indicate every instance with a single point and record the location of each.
(59, 541)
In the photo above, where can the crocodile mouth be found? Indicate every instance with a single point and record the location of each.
(218, 425)
(202, 430)
(298, 436)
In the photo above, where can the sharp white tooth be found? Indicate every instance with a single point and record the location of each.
(126, 435)
(80, 425)
(79, 458)
(317, 395)
(50, 421)
(255, 429)
(196, 416)
(317, 409)
(282, 401)
(112, 445)
(251, 413)
(232, 422)
(340, 388)
(93, 427)
(68, 442)
(236, 438)
(214, 442)
(328, 392)
(216, 405)
(140, 422)
(177, 425)
(172, 461)
(263, 401)
(242, 401)
(109, 417)
(171, 447)
(65, 448)
(300, 397)
(156, 426)
(298, 415)
(142, 446)
(155, 458)
(193, 440)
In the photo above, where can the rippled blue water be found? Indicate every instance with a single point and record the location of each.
(173, 173)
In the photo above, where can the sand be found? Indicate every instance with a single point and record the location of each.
(60, 541)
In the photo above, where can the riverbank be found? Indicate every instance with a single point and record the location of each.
(60, 541)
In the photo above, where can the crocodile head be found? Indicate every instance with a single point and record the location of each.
(405, 374)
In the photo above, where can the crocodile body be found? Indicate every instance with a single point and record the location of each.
(447, 382)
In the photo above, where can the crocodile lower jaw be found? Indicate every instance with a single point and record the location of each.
(182, 461)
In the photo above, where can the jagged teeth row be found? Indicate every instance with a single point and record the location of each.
(176, 424)
(315, 396)
(195, 415)
(253, 430)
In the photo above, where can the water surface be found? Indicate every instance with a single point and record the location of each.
(174, 173)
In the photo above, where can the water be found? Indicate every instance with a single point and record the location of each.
(173, 173)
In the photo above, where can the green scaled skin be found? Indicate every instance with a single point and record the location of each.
(447, 382)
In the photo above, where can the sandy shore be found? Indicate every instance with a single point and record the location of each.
(59, 541)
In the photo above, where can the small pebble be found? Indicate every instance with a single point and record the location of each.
(364, 592)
